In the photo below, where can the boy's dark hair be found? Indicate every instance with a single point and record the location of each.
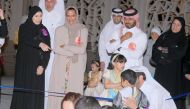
(109, 107)
(141, 74)
(130, 76)
(87, 102)
(119, 58)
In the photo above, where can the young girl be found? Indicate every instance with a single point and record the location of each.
(95, 86)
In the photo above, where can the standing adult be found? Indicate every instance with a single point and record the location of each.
(168, 52)
(70, 58)
(31, 60)
(114, 24)
(3, 28)
(131, 41)
(3, 34)
(155, 33)
(53, 17)
(3, 25)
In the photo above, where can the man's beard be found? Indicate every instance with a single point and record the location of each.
(117, 22)
(130, 26)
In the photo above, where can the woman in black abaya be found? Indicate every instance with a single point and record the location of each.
(168, 52)
(31, 60)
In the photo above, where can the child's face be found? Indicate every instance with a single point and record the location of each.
(94, 68)
(124, 83)
(119, 66)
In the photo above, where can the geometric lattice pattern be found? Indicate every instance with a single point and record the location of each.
(124, 4)
(161, 13)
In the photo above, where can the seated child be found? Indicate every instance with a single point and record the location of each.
(95, 87)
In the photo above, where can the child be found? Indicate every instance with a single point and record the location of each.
(95, 86)
(128, 80)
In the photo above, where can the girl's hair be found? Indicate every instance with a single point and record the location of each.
(71, 96)
(97, 63)
(116, 58)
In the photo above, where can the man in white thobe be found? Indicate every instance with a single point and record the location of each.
(155, 93)
(131, 41)
(112, 25)
(53, 17)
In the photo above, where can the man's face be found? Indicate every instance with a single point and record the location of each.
(129, 22)
(116, 19)
(49, 5)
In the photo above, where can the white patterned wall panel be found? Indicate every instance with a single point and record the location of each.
(161, 13)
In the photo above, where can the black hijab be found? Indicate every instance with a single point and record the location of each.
(29, 25)
(171, 38)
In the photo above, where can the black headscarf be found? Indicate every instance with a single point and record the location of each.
(29, 27)
(178, 37)
(175, 42)
(31, 13)
(171, 38)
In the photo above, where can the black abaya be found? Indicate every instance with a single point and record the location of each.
(29, 57)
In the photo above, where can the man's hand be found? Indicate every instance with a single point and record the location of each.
(125, 36)
(130, 102)
(112, 40)
(62, 46)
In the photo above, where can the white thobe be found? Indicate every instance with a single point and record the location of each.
(139, 39)
(51, 20)
(147, 57)
(155, 93)
(105, 36)
(157, 96)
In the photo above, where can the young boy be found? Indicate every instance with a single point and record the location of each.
(128, 80)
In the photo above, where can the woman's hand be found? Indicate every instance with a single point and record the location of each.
(44, 47)
(39, 70)
(187, 76)
(1, 14)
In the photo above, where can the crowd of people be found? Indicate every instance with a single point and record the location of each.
(133, 71)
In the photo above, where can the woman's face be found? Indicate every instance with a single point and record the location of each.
(68, 105)
(71, 16)
(37, 18)
(176, 26)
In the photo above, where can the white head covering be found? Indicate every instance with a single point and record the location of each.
(156, 30)
(58, 8)
(117, 11)
(132, 13)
